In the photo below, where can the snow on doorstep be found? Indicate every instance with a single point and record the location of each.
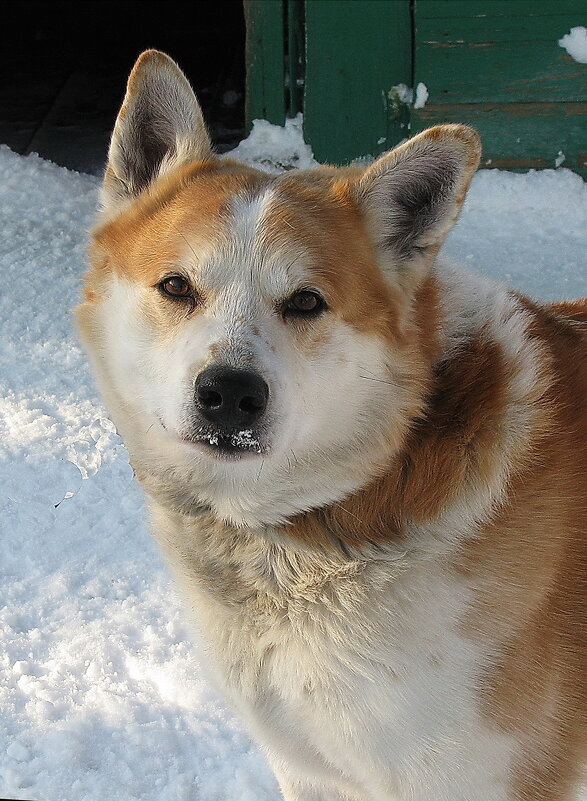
(103, 692)
(575, 43)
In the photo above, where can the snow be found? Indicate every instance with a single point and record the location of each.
(421, 95)
(529, 230)
(575, 43)
(103, 692)
(274, 149)
(401, 93)
(242, 439)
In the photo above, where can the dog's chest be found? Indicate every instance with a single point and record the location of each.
(358, 665)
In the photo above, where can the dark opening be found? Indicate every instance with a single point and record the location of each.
(63, 70)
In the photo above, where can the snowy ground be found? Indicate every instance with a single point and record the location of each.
(101, 690)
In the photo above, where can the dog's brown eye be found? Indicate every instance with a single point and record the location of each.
(305, 302)
(176, 286)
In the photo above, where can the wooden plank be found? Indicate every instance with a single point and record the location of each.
(497, 59)
(265, 61)
(437, 9)
(295, 37)
(356, 52)
(507, 73)
(519, 136)
(453, 31)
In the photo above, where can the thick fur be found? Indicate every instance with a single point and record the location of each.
(392, 581)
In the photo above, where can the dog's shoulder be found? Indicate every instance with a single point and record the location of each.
(572, 310)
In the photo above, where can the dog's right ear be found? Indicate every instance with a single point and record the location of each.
(412, 196)
(159, 127)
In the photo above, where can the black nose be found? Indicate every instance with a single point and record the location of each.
(232, 399)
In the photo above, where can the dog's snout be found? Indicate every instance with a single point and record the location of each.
(231, 398)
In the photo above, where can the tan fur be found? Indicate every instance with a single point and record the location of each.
(479, 475)
(146, 236)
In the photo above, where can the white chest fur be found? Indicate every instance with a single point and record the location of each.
(354, 674)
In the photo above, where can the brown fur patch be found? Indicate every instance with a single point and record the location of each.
(449, 444)
(342, 256)
(528, 565)
(147, 237)
(529, 570)
(572, 309)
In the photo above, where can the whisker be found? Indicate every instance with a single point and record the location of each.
(338, 506)
(187, 243)
(380, 380)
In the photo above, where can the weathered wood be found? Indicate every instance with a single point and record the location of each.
(294, 55)
(463, 29)
(497, 65)
(265, 61)
(356, 52)
(509, 59)
(519, 136)
(496, 8)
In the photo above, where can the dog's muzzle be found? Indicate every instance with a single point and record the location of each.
(231, 404)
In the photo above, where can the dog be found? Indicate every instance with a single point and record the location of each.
(366, 470)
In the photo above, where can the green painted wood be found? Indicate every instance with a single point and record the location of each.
(497, 65)
(265, 61)
(356, 52)
(294, 55)
(494, 64)
(519, 136)
(436, 9)
(472, 30)
(467, 59)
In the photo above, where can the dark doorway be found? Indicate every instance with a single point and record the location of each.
(63, 70)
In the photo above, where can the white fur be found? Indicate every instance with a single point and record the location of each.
(352, 673)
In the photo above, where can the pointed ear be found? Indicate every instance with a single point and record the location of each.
(159, 127)
(412, 196)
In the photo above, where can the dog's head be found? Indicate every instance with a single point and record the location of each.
(263, 342)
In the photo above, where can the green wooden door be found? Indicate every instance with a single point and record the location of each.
(265, 61)
(357, 51)
(494, 64)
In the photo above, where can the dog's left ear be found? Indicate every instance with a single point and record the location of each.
(159, 127)
(412, 196)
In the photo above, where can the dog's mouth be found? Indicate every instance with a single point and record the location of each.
(231, 446)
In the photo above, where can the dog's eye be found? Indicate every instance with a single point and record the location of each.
(176, 286)
(306, 302)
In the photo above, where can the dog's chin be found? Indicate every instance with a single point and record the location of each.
(232, 447)
(218, 446)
